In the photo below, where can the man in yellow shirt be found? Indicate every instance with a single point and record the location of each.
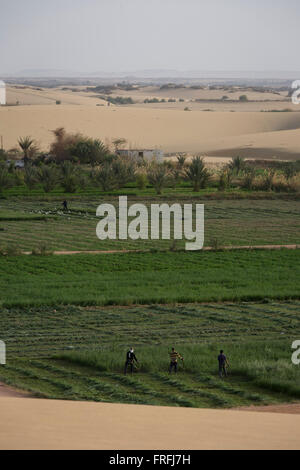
(174, 356)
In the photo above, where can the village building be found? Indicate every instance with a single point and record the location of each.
(142, 154)
(2, 93)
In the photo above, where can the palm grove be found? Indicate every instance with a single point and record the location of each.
(76, 162)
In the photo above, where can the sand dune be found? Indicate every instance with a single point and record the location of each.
(171, 130)
(48, 96)
(46, 424)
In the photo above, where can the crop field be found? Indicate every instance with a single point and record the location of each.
(26, 224)
(154, 277)
(78, 353)
(68, 321)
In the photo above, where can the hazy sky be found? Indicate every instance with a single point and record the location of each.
(129, 35)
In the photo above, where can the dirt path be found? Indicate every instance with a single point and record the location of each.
(206, 248)
(6, 391)
(286, 408)
(47, 424)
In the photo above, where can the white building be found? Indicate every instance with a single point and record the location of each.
(2, 93)
(142, 154)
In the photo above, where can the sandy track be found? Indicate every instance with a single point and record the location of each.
(6, 391)
(206, 248)
(46, 424)
(286, 408)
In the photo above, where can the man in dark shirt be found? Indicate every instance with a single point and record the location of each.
(130, 358)
(223, 363)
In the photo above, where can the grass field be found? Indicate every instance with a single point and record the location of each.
(78, 353)
(141, 278)
(65, 339)
(28, 223)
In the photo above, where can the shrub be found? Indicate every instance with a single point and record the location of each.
(69, 177)
(41, 250)
(87, 150)
(141, 181)
(48, 176)
(248, 179)
(224, 180)
(30, 176)
(159, 176)
(123, 171)
(267, 181)
(105, 177)
(243, 98)
(5, 177)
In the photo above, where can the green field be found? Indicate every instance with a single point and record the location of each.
(28, 223)
(78, 353)
(141, 278)
(68, 320)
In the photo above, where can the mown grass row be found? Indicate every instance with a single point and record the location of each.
(256, 338)
(228, 222)
(32, 332)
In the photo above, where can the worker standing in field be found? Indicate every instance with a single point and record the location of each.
(130, 358)
(65, 205)
(174, 356)
(223, 364)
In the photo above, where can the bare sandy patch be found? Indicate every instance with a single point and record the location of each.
(46, 424)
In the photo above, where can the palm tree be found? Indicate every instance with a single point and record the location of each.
(27, 146)
(236, 165)
(197, 173)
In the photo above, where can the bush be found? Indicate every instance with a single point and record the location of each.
(30, 176)
(48, 176)
(159, 176)
(6, 180)
(224, 180)
(151, 100)
(243, 98)
(141, 181)
(69, 177)
(248, 179)
(123, 171)
(105, 177)
(118, 99)
(42, 250)
(87, 150)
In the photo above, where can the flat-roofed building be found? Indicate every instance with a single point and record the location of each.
(2, 93)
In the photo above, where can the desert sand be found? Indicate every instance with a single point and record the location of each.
(46, 424)
(218, 133)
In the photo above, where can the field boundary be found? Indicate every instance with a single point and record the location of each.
(206, 248)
